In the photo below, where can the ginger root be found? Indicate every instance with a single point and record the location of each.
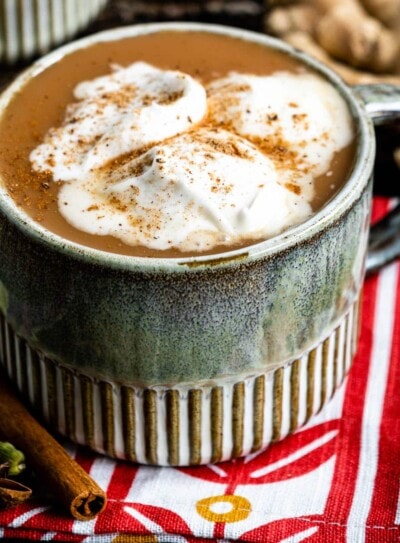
(360, 39)
(347, 33)
(386, 11)
(305, 42)
(323, 6)
(292, 19)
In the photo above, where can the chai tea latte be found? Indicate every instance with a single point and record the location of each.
(174, 144)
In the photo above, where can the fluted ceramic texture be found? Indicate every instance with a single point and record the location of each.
(184, 424)
(32, 27)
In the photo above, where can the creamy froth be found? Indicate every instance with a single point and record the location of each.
(301, 111)
(155, 159)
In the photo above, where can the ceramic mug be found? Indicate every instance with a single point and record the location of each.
(33, 27)
(189, 360)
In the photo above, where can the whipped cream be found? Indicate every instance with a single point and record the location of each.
(117, 114)
(300, 112)
(155, 159)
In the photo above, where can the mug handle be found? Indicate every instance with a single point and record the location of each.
(382, 103)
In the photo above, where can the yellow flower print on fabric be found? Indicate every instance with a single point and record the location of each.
(225, 508)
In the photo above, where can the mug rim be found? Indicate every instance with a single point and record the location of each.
(317, 222)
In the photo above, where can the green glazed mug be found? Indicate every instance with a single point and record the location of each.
(184, 361)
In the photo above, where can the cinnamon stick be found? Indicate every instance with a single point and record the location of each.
(61, 475)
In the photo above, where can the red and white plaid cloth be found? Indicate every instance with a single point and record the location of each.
(338, 479)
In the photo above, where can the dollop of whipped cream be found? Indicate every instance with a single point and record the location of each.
(155, 159)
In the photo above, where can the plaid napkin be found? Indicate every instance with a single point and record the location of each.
(337, 479)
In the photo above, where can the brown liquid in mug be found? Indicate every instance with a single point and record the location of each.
(42, 102)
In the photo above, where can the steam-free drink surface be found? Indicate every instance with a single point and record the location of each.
(42, 102)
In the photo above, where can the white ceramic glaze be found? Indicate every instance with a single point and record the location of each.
(32, 27)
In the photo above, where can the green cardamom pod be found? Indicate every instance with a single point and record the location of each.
(11, 456)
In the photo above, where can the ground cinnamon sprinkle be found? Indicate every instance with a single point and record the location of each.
(226, 147)
(299, 117)
(169, 97)
(119, 204)
(122, 97)
(125, 159)
(229, 87)
(148, 222)
(277, 149)
(50, 161)
(44, 188)
(293, 188)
